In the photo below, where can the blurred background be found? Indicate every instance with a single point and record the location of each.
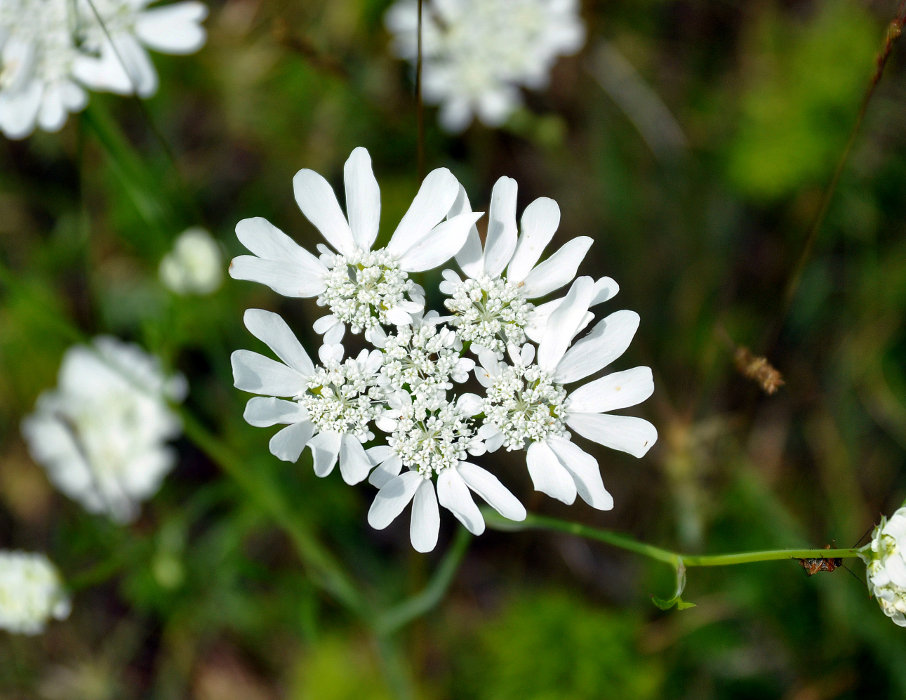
(694, 141)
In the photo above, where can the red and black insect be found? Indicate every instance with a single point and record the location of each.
(814, 566)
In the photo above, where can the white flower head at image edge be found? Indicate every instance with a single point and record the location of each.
(362, 287)
(194, 266)
(885, 566)
(31, 593)
(526, 400)
(51, 50)
(100, 434)
(478, 53)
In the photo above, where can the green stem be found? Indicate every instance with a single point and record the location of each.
(674, 559)
(410, 609)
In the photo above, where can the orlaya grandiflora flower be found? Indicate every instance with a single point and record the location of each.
(431, 436)
(362, 288)
(31, 592)
(327, 408)
(527, 402)
(493, 306)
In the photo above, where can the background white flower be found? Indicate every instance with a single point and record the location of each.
(194, 266)
(886, 566)
(361, 287)
(477, 53)
(31, 592)
(100, 434)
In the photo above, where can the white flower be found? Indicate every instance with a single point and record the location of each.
(31, 593)
(478, 52)
(492, 307)
(329, 409)
(100, 434)
(114, 34)
(527, 403)
(194, 266)
(361, 287)
(38, 53)
(886, 566)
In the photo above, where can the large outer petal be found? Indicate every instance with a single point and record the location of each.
(494, 493)
(425, 523)
(500, 241)
(539, 223)
(173, 29)
(439, 244)
(548, 474)
(623, 433)
(319, 204)
(454, 495)
(287, 444)
(432, 202)
(354, 463)
(265, 411)
(271, 329)
(605, 343)
(325, 448)
(471, 256)
(558, 270)
(613, 392)
(261, 375)
(584, 470)
(393, 498)
(564, 323)
(363, 198)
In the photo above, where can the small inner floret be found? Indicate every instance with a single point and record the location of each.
(489, 312)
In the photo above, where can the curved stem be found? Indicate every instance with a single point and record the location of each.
(674, 559)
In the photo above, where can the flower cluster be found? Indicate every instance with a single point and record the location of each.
(885, 566)
(100, 434)
(477, 53)
(398, 414)
(51, 50)
(31, 593)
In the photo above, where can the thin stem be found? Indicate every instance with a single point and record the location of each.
(615, 539)
(894, 30)
(420, 108)
(413, 608)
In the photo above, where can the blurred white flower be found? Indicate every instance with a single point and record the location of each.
(31, 593)
(100, 434)
(885, 561)
(477, 53)
(194, 266)
(526, 401)
(329, 408)
(51, 49)
(362, 288)
(114, 33)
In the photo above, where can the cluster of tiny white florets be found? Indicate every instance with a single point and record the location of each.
(431, 435)
(363, 288)
(344, 398)
(524, 403)
(31, 593)
(489, 312)
(426, 359)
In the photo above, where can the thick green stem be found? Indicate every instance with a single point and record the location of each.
(674, 559)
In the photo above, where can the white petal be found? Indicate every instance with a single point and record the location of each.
(605, 290)
(265, 411)
(439, 245)
(325, 447)
(623, 433)
(385, 471)
(564, 323)
(548, 475)
(425, 523)
(379, 453)
(354, 463)
(137, 64)
(500, 241)
(470, 257)
(470, 404)
(261, 375)
(288, 443)
(283, 276)
(267, 241)
(271, 329)
(605, 343)
(434, 199)
(539, 223)
(363, 198)
(613, 392)
(558, 269)
(491, 491)
(173, 29)
(454, 495)
(392, 499)
(584, 470)
(318, 203)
